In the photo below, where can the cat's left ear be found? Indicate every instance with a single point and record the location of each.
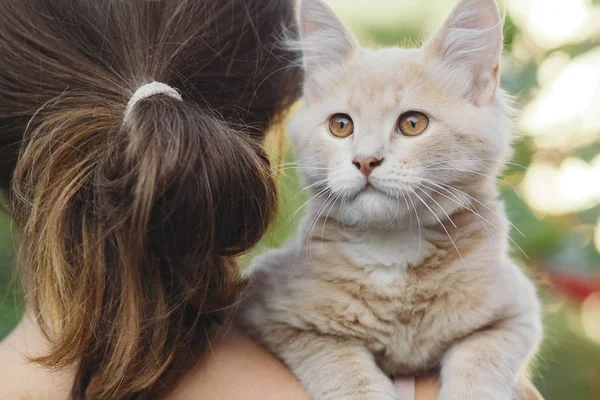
(469, 43)
(324, 40)
(324, 37)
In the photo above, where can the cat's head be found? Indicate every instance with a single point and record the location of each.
(384, 131)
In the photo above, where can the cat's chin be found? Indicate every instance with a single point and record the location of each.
(372, 209)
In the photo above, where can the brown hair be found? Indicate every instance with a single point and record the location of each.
(129, 229)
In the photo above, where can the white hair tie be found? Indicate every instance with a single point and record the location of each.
(151, 89)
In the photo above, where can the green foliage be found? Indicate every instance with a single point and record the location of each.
(11, 295)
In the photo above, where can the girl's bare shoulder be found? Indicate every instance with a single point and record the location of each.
(238, 368)
(22, 379)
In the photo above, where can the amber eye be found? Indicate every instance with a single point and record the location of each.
(412, 123)
(341, 125)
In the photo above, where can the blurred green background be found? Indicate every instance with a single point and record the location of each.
(552, 67)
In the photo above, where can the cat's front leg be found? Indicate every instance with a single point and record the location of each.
(486, 365)
(332, 368)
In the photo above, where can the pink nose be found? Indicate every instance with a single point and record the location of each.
(366, 165)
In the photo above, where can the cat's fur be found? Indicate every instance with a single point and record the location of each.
(412, 276)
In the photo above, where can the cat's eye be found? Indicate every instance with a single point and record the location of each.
(341, 125)
(412, 123)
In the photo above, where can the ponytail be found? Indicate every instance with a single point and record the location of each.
(131, 218)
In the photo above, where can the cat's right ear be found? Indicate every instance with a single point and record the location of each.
(469, 43)
(324, 39)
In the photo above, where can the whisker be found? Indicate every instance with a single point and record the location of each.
(341, 212)
(275, 172)
(317, 183)
(473, 211)
(440, 207)
(478, 202)
(306, 202)
(418, 222)
(313, 225)
(395, 215)
(335, 198)
(501, 181)
(408, 208)
(474, 159)
(302, 244)
(440, 222)
(481, 217)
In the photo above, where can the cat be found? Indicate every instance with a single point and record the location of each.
(401, 266)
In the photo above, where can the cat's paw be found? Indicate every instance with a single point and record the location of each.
(377, 396)
(369, 395)
(355, 393)
(474, 393)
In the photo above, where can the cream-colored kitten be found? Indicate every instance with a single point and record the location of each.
(402, 265)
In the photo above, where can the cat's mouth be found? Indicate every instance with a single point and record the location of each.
(374, 189)
(369, 188)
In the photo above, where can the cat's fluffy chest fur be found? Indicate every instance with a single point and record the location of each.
(405, 295)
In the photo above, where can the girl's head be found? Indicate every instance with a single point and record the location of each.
(129, 226)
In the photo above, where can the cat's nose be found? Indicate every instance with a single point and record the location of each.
(366, 165)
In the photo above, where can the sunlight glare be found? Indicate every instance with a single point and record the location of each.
(549, 69)
(568, 188)
(566, 113)
(597, 236)
(552, 23)
(590, 316)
